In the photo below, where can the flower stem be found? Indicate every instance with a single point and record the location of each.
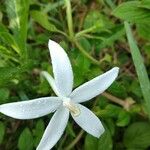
(69, 18)
(73, 143)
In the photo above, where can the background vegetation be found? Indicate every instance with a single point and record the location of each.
(97, 35)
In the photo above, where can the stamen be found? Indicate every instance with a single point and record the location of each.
(74, 109)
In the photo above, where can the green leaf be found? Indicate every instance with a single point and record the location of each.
(96, 22)
(8, 73)
(42, 19)
(4, 94)
(25, 140)
(143, 31)
(123, 119)
(91, 143)
(145, 4)
(105, 141)
(17, 11)
(70, 130)
(118, 89)
(38, 132)
(130, 11)
(116, 33)
(137, 136)
(2, 131)
(140, 67)
(9, 39)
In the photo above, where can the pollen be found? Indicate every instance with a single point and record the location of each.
(73, 108)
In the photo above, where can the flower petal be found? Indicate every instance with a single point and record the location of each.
(95, 86)
(55, 129)
(51, 81)
(61, 68)
(32, 108)
(88, 121)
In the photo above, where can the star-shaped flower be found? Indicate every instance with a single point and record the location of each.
(66, 102)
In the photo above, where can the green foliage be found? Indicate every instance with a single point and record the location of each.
(38, 132)
(25, 140)
(103, 143)
(137, 136)
(42, 19)
(2, 131)
(131, 11)
(95, 41)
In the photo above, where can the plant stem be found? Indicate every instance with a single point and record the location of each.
(69, 18)
(81, 49)
(85, 31)
(114, 99)
(71, 145)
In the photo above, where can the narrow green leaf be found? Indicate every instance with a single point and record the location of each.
(38, 132)
(2, 131)
(8, 73)
(4, 94)
(17, 11)
(25, 140)
(140, 67)
(42, 19)
(130, 11)
(8, 39)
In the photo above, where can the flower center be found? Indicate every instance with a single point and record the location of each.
(73, 108)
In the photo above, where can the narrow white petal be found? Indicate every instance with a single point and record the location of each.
(55, 129)
(51, 81)
(95, 86)
(61, 68)
(89, 122)
(32, 108)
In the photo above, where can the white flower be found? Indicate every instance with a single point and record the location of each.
(67, 100)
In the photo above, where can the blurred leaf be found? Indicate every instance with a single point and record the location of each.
(137, 135)
(97, 21)
(130, 11)
(8, 73)
(112, 110)
(4, 95)
(105, 141)
(135, 88)
(2, 131)
(3, 28)
(70, 130)
(8, 39)
(38, 132)
(143, 30)
(118, 89)
(25, 140)
(140, 67)
(91, 143)
(17, 11)
(109, 38)
(42, 19)
(123, 119)
(145, 4)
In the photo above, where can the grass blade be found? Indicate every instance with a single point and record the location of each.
(140, 67)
